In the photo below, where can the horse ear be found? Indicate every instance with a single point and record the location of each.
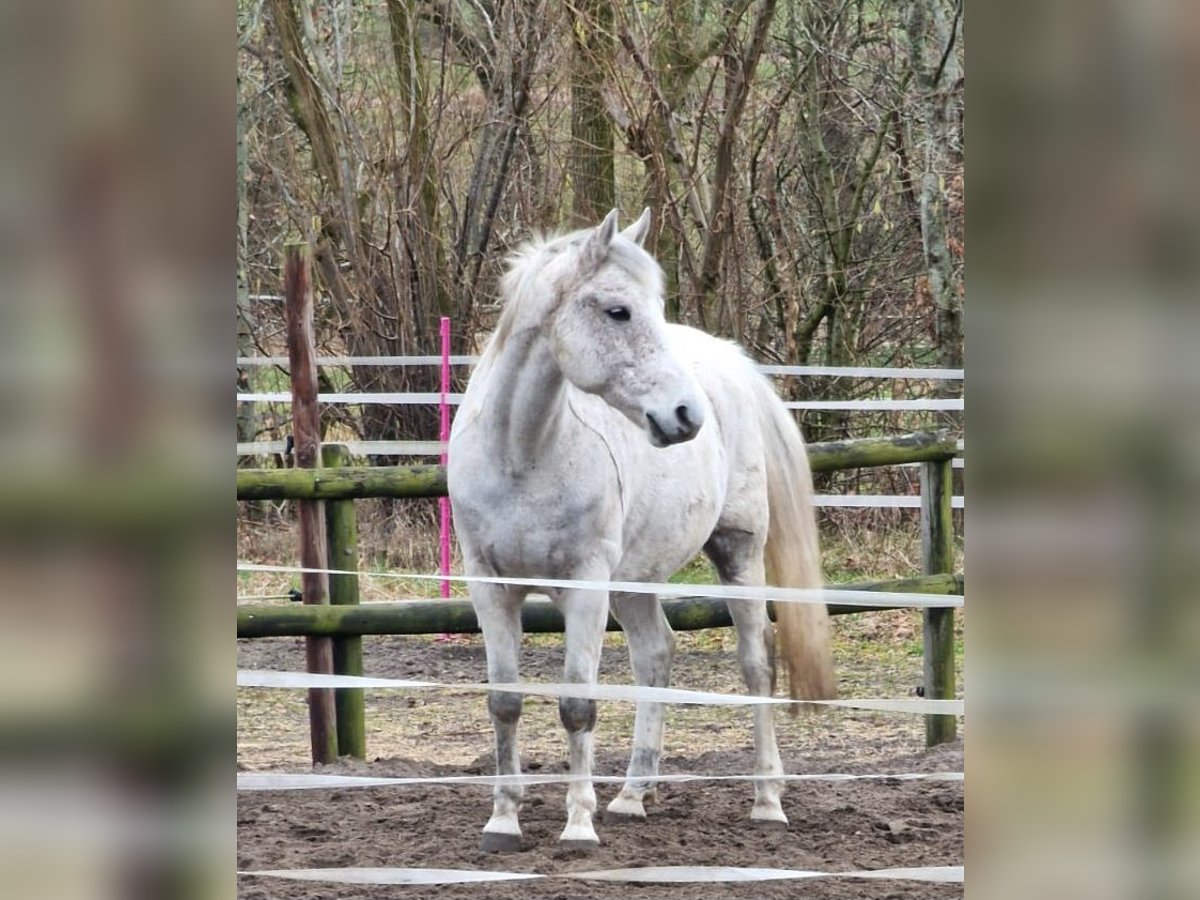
(638, 230)
(595, 249)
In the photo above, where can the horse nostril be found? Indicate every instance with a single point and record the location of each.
(682, 413)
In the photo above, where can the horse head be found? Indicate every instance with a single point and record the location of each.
(609, 337)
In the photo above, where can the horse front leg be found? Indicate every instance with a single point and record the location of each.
(499, 614)
(585, 614)
(651, 649)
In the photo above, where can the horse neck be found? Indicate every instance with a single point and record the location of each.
(526, 400)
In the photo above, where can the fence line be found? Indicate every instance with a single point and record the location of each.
(630, 693)
(406, 448)
(933, 450)
(418, 399)
(845, 597)
(821, 501)
(361, 360)
(350, 398)
(765, 368)
(876, 501)
(309, 781)
(423, 480)
(639, 875)
(356, 448)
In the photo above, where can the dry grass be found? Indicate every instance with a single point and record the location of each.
(856, 544)
(393, 537)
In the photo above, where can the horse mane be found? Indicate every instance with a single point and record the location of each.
(525, 264)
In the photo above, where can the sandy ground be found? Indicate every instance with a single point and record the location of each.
(834, 826)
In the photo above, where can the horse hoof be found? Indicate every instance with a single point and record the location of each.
(769, 824)
(625, 808)
(500, 842)
(579, 848)
(623, 818)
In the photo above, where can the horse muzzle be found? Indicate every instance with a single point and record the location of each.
(679, 425)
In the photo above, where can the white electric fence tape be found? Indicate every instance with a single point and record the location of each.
(863, 372)
(392, 876)
(387, 398)
(767, 369)
(844, 597)
(881, 501)
(356, 448)
(267, 678)
(646, 875)
(726, 874)
(416, 399)
(304, 781)
(361, 360)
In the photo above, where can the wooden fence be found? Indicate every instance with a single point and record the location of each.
(344, 621)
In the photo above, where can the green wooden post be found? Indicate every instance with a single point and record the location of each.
(937, 553)
(341, 529)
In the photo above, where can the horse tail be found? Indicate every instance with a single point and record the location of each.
(792, 555)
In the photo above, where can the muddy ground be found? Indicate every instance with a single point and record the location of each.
(834, 826)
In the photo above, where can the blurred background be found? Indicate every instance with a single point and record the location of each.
(1082, 656)
(118, 272)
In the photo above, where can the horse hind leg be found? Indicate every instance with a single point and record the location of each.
(738, 557)
(499, 616)
(651, 648)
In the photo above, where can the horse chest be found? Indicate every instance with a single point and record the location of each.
(537, 524)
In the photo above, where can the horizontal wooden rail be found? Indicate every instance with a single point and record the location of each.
(355, 482)
(856, 453)
(537, 616)
(343, 483)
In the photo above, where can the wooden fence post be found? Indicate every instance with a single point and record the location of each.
(341, 528)
(306, 431)
(937, 557)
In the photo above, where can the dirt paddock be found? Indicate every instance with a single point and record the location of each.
(835, 826)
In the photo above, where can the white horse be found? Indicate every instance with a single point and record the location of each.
(597, 442)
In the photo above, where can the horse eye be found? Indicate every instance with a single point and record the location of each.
(618, 313)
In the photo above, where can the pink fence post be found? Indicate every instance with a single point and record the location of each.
(444, 436)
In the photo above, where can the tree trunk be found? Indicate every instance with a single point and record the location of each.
(417, 193)
(384, 286)
(590, 164)
(933, 42)
(740, 67)
(506, 67)
(247, 421)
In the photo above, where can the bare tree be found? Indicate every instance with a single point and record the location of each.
(502, 43)
(934, 33)
(377, 239)
(246, 424)
(739, 64)
(803, 161)
(593, 181)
